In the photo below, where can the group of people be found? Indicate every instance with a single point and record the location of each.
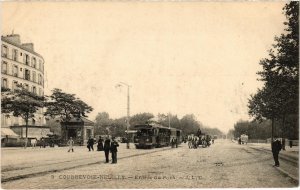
(108, 146)
(195, 141)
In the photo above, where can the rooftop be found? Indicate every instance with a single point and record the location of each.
(15, 40)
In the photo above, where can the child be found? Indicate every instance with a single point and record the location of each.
(71, 143)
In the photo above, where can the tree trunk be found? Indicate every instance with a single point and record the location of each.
(283, 132)
(26, 132)
(272, 134)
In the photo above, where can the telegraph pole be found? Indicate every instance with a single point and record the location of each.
(128, 109)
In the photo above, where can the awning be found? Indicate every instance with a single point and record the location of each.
(8, 132)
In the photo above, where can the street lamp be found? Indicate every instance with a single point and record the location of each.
(128, 108)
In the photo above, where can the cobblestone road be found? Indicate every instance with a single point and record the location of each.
(224, 164)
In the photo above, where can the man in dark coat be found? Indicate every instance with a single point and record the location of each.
(91, 144)
(100, 144)
(106, 149)
(113, 149)
(276, 147)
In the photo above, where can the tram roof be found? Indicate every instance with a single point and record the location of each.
(153, 125)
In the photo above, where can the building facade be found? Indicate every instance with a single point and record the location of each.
(21, 65)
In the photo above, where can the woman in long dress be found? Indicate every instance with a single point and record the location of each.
(100, 144)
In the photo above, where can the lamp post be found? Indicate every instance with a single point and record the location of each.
(128, 109)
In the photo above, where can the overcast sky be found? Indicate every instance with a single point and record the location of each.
(184, 58)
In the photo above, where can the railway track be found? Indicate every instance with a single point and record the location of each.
(44, 169)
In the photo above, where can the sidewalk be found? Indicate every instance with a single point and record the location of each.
(290, 152)
(289, 156)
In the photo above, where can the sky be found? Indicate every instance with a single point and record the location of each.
(196, 58)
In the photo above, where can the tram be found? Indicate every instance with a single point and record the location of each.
(155, 135)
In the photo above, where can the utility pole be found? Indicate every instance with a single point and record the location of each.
(169, 120)
(128, 109)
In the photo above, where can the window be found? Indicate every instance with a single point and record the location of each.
(40, 92)
(27, 59)
(40, 64)
(15, 85)
(33, 76)
(4, 51)
(15, 55)
(15, 71)
(39, 79)
(4, 83)
(27, 74)
(34, 89)
(26, 86)
(34, 62)
(4, 67)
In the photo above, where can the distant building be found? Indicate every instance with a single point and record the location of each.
(20, 64)
(80, 129)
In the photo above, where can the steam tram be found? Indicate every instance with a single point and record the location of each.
(155, 135)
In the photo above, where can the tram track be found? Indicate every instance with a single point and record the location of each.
(44, 171)
(290, 159)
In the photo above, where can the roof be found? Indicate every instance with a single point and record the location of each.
(20, 46)
(8, 132)
(83, 120)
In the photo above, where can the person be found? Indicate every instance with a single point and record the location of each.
(71, 144)
(291, 143)
(106, 149)
(283, 143)
(240, 141)
(176, 142)
(100, 144)
(33, 142)
(276, 147)
(113, 149)
(213, 141)
(199, 132)
(42, 143)
(90, 144)
(172, 142)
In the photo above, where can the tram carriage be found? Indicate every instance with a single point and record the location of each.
(155, 135)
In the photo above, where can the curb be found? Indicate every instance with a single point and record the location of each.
(286, 158)
(296, 179)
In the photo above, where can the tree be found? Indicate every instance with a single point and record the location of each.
(189, 125)
(65, 106)
(140, 118)
(102, 123)
(21, 103)
(278, 99)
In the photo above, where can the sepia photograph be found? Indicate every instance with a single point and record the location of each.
(149, 94)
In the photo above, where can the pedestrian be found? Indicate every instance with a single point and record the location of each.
(172, 142)
(100, 144)
(33, 142)
(291, 143)
(71, 144)
(276, 147)
(106, 149)
(213, 141)
(176, 142)
(90, 144)
(113, 149)
(240, 141)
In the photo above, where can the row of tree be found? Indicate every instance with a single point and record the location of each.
(188, 123)
(59, 105)
(278, 99)
(261, 130)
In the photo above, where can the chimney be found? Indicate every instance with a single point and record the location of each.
(28, 46)
(15, 38)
